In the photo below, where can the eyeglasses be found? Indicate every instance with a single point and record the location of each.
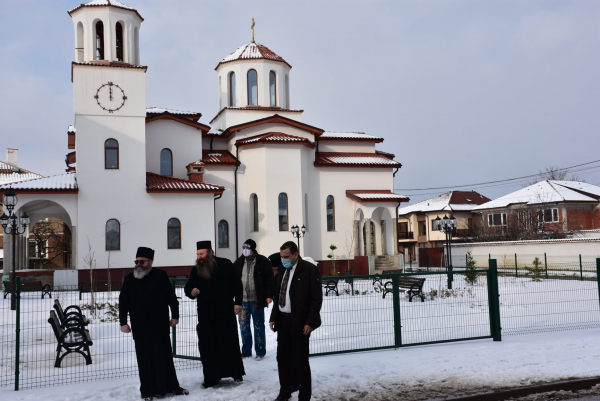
(139, 262)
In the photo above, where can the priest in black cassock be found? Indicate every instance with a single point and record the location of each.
(219, 294)
(147, 295)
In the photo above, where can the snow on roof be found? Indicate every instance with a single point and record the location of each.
(215, 131)
(162, 183)
(349, 135)
(273, 137)
(10, 173)
(218, 156)
(448, 201)
(71, 129)
(324, 159)
(105, 3)
(549, 191)
(159, 110)
(67, 181)
(252, 51)
(384, 195)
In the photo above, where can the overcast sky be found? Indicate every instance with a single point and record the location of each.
(462, 91)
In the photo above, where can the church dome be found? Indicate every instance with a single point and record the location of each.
(253, 51)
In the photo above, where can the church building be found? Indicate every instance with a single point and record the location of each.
(163, 178)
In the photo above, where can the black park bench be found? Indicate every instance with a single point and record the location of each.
(71, 316)
(412, 285)
(70, 339)
(330, 285)
(29, 286)
(99, 286)
(379, 279)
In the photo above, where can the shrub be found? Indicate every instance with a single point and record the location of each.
(471, 276)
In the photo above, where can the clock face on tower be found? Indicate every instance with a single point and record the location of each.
(110, 97)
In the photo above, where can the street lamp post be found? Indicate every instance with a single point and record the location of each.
(447, 226)
(11, 224)
(298, 233)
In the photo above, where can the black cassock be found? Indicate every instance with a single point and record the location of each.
(147, 301)
(217, 327)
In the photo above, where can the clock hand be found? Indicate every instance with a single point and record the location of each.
(110, 88)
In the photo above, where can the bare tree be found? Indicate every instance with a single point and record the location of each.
(90, 261)
(553, 173)
(52, 239)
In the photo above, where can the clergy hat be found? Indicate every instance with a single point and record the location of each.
(250, 244)
(203, 245)
(143, 252)
(275, 259)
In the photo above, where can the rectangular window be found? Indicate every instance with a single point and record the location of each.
(423, 245)
(422, 227)
(548, 216)
(496, 219)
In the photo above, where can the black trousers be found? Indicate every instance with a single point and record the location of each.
(292, 358)
(156, 367)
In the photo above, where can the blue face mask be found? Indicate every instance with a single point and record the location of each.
(286, 263)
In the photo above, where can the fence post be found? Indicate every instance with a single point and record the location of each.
(494, 301)
(580, 268)
(397, 321)
(598, 275)
(546, 264)
(18, 330)
(173, 329)
(516, 268)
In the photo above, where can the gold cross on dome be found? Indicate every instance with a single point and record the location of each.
(252, 30)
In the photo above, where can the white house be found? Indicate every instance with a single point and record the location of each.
(158, 177)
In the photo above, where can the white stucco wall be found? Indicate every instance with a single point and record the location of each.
(352, 147)
(185, 143)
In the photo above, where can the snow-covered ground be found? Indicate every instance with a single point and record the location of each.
(432, 371)
(364, 320)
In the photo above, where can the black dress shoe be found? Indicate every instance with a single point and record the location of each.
(281, 398)
(238, 379)
(182, 391)
(209, 383)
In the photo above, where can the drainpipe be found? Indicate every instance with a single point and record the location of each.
(212, 137)
(215, 217)
(237, 150)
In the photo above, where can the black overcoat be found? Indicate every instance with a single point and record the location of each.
(306, 296)
(264, 280)
(147, 301)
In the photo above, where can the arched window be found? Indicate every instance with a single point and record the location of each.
(252, 88)
(283, 212)
(113, 235)
(166, 162)
(120, 43)
(174, 234)
(111, 154)
(136, 44)
(287, 92)
(231, 89)
(254, 212)
(80, 44)
(272, 88)
(330, 205)
(99, 40)
(223, 234)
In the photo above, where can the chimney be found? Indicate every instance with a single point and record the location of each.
(11, 156)
(195, 172)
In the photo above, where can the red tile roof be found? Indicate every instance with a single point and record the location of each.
(161, 183)
(275, 138)
(252, 51)
(375, 195)
(256, 108)
(154, 111)
(343, 159)
(219, 157)
(386, 154)
(180, 118)
(105, 3)
(275, 118)
(349, 136)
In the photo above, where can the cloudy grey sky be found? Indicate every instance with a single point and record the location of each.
(462, 91)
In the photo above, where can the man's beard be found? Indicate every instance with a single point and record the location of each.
(206, 267)
(140, 273)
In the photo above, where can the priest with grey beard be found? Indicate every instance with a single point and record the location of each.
(218, 292)
(147, 295)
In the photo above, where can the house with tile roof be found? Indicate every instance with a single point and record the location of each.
(159, 177)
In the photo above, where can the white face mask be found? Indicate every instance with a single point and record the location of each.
(246, 252)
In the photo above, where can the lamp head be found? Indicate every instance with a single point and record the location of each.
(10, 199)
(4, 220)
(303, 228)
(24, 219)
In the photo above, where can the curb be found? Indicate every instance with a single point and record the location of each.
(566, 385)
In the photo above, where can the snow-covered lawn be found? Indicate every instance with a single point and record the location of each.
(365, 320)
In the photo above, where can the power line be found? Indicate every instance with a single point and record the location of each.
(491, 182)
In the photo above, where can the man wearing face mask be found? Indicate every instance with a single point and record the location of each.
(257, 278)
(295, 314)
(147, 295)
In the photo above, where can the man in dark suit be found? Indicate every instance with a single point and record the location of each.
(295, 314)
